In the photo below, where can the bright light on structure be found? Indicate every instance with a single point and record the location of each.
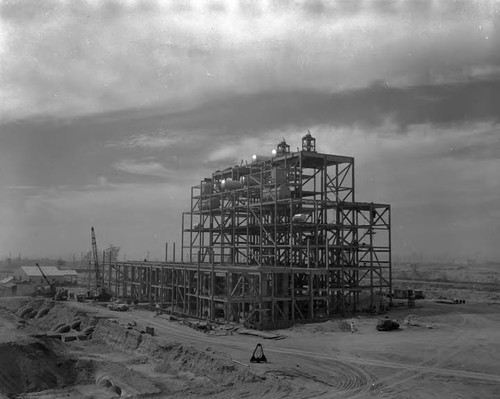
(273, 152)
(254, 157)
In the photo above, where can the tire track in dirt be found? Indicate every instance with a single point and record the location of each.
(432, 363)
(341, 377)
(347, 376)
(206, 339)
(389, 364)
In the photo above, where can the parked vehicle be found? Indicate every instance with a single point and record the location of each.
(119, 307)
(387, 325)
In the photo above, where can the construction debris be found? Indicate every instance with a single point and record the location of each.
(450, 301)
(261, 334)
(409, 321)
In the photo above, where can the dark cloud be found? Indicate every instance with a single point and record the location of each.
(368, 107)
(70, 152)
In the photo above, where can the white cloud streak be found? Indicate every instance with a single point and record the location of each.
(143, 168)
(156, 140)
(238, 151)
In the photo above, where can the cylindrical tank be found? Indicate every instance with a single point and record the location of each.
(248, 181)
(281, 192)
(230, 184)
(260, 158)
(212, 203)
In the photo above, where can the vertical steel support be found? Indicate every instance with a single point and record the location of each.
(311, 296)
(185, 282)
(162, 282)
(182, 241)
(390, 255)
(371, 231)
(198, 287)
(327, 282)
(172, 290)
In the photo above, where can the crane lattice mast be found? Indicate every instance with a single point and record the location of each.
(95, 255)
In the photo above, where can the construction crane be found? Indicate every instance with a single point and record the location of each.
(44, 276)
(47, 291)
(51, 290)
(95, 256)
(100, 293)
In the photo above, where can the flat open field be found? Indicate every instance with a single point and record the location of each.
(472, 282)
(448, 351)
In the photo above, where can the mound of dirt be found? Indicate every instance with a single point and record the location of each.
(38, 315)
(48, 314)
(173, 357)
(35, 367)
(327, 326)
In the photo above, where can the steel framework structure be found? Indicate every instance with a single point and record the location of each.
(272, 243)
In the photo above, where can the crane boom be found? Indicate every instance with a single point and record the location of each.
(95, 254)
(100, 292)
(43, 274)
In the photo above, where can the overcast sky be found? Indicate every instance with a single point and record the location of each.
(111, 111)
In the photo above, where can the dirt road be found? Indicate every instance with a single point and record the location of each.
(418, 361)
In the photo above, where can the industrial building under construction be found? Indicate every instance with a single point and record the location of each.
(277, 241)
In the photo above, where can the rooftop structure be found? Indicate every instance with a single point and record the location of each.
(33, 274)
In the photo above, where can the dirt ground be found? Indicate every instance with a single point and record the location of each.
(440, 351)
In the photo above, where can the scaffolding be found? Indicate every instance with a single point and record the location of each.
(271, 243)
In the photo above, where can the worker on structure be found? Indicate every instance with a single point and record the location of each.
(352, 326)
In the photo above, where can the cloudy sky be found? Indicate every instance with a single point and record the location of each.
(111, 111)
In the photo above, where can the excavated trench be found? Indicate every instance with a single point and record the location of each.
(53, 351)
(34, 367)
(32, 353)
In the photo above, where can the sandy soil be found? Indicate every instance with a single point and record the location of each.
(446, 351)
